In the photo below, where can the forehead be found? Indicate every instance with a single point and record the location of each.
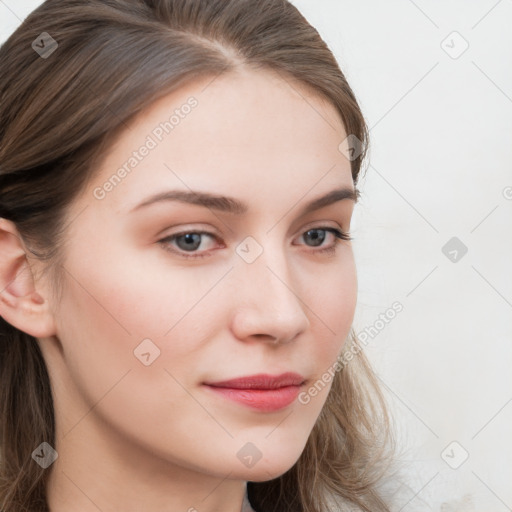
(251, 131)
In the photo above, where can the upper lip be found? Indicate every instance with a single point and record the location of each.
(261, 381)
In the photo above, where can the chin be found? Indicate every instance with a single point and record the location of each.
(270, 469)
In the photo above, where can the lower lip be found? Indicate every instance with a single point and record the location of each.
(262, 399)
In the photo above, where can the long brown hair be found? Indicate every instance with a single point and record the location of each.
(60, 111)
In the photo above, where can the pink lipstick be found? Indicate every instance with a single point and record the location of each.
(262, 391)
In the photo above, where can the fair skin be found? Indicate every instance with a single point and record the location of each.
(133, 437)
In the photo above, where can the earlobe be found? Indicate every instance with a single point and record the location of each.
(21, 304)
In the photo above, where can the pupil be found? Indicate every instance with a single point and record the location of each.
(315, 237)
(189, 237)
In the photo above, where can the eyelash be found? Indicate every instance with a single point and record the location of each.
(165, 242)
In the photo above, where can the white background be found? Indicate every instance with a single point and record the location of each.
(439, 167)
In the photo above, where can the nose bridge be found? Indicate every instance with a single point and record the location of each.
(268, 298)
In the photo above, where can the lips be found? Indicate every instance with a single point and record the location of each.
(263, 392)
(261, 381)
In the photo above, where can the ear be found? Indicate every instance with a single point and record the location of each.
(21, 304)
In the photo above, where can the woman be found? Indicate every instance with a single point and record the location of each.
(178, 285)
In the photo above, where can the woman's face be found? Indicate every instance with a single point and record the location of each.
(145, 320)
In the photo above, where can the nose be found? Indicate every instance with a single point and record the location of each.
(268, 305)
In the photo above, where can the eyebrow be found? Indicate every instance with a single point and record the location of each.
(236, 207)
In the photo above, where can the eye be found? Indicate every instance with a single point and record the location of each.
(317, 235)
(189, 241)
(186, 241)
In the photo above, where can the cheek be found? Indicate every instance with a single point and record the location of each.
(332, 300)
(111, 317)
(96, 337)
(101, 328)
